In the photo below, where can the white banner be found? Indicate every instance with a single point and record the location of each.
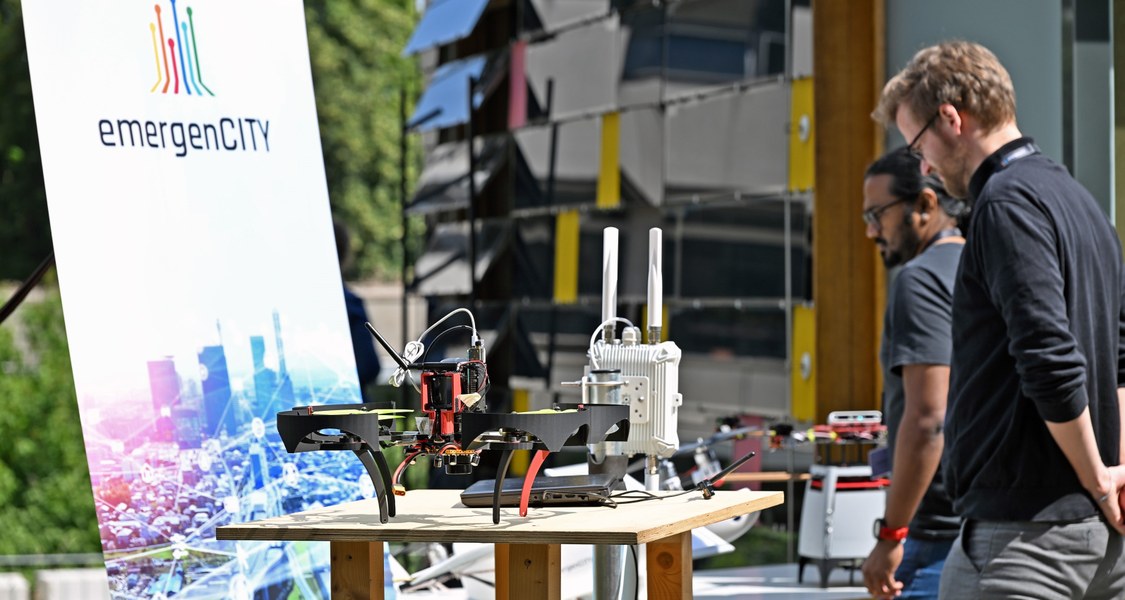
(199, 280)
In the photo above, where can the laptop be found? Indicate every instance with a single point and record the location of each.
(573, 490)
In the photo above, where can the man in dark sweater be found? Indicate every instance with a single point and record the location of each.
(1033, 422)
(913, 221)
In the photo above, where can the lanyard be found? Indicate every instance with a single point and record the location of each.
(944, 233)
(1023, 151)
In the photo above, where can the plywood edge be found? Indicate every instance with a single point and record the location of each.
(626, 525)
(251, 533)
(761, 501)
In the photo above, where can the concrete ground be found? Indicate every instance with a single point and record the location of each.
(775, 582)
(771, 582)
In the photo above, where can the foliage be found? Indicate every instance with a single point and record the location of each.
(25, 235)
(359, 73)
(760, 546)
(46, 503)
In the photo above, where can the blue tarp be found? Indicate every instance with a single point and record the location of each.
(448, 94)
(445, 21)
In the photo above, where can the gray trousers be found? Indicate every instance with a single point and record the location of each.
(1032, 560)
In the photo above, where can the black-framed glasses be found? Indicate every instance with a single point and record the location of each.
(872, 215)
(912, 148)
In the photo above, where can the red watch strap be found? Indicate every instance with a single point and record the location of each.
(893, 535)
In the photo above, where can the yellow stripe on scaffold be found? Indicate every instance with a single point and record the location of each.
(609, 172)
(802, 136)
(566, 257)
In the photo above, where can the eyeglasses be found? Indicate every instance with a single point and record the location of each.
(912, 148)
(872, 215)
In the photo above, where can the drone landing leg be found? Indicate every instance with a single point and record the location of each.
(367, 457)
(385, 471)
(501, 470)
(532, 471)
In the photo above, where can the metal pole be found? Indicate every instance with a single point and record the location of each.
(472, 199)
(790, 501)
(606, 457)
(609, 571)
(552, 335)
(402, 149)
(1069, 36)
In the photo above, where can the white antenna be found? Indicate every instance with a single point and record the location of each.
(609, 280)
(655, 285)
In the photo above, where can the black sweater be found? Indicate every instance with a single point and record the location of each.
(1037, 329)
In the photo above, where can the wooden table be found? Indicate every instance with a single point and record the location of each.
(527, 549)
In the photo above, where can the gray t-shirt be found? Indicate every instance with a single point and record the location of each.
(917, 330)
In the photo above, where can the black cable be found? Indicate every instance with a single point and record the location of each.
(644, 494)
(485, 384)
(21, 293)
(634, 496)
(478, 580)
(636, 572)
(439, 336)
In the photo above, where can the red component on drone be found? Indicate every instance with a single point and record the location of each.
(440, 391)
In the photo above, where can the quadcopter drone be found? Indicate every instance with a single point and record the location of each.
(455, 426)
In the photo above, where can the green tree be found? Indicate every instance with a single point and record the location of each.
(46, 503)
(25, 235)
(359, 73)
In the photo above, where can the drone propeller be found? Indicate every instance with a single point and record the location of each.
(352, 411)
(328, 410)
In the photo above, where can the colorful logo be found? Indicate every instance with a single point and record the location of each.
(168, 70)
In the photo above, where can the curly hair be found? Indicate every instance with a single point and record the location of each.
(964, 74)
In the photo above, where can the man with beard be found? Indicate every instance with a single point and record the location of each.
(1033, 422)
(914, 224)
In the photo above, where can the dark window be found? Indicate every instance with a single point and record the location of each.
(729, 331)
(739, 252)
(703, 47)
(693, 54)
(534, 254)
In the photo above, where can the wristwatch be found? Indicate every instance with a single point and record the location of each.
(882, 532)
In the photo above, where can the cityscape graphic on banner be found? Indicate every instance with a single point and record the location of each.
(202, 450)
(166, 51)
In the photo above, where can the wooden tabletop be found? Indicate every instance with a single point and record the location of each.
(439, 516)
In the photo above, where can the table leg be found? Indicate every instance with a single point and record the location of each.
(357, 570)
(530, 571)
(669, 567)
(501, 553)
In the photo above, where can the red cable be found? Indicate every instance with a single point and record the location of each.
(532, 470)
(401, 466)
